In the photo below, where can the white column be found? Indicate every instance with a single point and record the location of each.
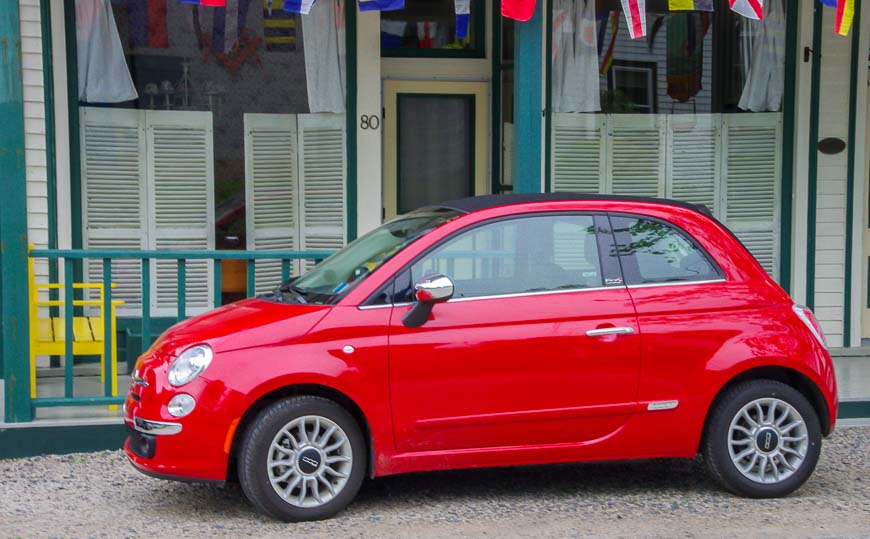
(369, 141)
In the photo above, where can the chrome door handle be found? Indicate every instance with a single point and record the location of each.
(609, 331)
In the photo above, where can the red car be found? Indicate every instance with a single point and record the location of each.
(494, 331)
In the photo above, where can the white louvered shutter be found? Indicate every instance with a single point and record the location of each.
(113, 195)
(181, 204)
(752, 172)
(322, 181)
(578, 156)
(636, 154)
(694, 168)
(271, 188)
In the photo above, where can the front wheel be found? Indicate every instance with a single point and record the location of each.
(763, 439)
(303, 458)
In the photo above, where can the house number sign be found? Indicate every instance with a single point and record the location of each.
(369, 121)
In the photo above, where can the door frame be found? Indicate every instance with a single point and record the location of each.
(865, 231)
(392, 89)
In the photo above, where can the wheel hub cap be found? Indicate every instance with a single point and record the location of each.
(768, 440)
(309, 461)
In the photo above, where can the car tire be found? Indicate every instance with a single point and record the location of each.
(775, 457)
(313, 489)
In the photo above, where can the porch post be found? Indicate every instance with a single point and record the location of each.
(528, 102)
(14, 331)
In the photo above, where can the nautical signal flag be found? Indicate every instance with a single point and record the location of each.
(751, 9)
(298, 6)
(635, 17)
(518, 10)
(690, 5)
(206, 3)
(463, 14)
(845, 14)
(147, 23)
(380, 5)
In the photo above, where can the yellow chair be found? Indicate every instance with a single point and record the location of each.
(48, 335)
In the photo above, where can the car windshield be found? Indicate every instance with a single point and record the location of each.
(351, 265)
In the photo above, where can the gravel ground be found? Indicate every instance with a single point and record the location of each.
(100, 495)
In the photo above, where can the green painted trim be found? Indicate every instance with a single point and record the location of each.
(495, 179)
(788, 128)
(472, 98)
(181, 282)
(479, 50)
(528, 73)
(87, 254)
(60, 402)
(813, 154)
(351, 97)
(854, 409)
(50, 128)
(548, 99)
(850, 173)
(31, 441)
(75, 173)
(14, 318)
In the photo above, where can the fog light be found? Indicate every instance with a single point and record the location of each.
(181, 405)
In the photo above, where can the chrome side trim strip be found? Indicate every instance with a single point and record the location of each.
(676, 283)
(537, 293)
(156, 427)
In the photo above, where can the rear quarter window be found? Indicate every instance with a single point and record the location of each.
(652, 251)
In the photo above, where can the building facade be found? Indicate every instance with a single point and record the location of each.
(167, 126)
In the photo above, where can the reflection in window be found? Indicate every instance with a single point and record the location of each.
(675, 68)
(426, 26)
(660, 253)
(528, 254)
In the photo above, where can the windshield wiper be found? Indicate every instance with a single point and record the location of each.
(298, 293)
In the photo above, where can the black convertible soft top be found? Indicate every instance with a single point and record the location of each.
(483, 202)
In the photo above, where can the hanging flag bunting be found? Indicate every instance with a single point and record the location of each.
(381, 5)
(518, 10)
(298, 6)
(463, 14)
(206, 3)
(147, 23)
(751, 9)
(690, 5)
(829, 3)
(845, 14)
(635, 17)
(607, 61)
(279, 27)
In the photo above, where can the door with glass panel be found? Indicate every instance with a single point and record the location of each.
(435, 143)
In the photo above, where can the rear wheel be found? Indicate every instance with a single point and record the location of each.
(302, 459)
(763, 439)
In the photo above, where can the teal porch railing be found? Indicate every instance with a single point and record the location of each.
(71, 258)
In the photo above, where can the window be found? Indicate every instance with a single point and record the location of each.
(530, 254)
(653, 252)
(634, 82)
(434, 28)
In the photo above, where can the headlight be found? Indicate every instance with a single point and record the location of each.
(190, 364)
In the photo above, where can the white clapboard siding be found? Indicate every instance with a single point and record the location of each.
(322, 181)
(271, 187)
(694, 168)
(578, 152)
(181, 203)
(637, 154)
(752, 158)
(113, 169)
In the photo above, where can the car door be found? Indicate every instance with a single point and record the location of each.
(539, 344)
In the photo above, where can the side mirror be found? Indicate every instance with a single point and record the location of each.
(428, 291)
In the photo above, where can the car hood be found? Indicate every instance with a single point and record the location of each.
(244, 324)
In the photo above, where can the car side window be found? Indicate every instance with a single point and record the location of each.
(526, 254)
(655, 252)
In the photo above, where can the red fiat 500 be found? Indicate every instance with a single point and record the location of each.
(494, 331)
